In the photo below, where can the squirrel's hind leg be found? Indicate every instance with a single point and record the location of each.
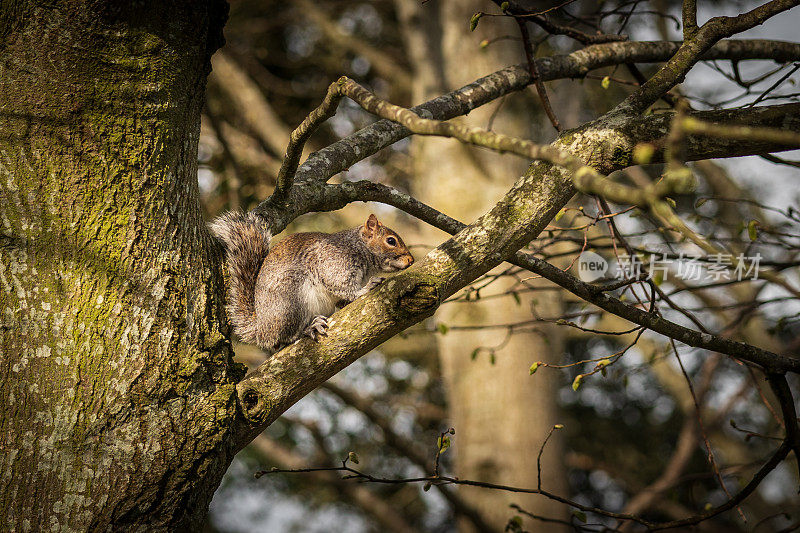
(317, 327)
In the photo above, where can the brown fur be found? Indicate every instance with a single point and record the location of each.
(278, 295)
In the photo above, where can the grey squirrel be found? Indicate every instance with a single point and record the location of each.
(277, 296)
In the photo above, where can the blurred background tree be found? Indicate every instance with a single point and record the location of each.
(653, 435)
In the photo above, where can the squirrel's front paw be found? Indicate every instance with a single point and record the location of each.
(371, 284)
(374, 282)
(317, 328)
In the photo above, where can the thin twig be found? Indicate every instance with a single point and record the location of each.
(539, 456)
(350, 473)
(537, 81)
(709, 452)
(780, 387)
(775, 85)
(552, 28)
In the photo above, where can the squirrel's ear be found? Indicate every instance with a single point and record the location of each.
(371, 225)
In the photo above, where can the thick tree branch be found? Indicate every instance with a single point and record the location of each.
(416, 293)
(590, 293)
(524, 211)
(341, 155)
(405, 299)
(311, 195)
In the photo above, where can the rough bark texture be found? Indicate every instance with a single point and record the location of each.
(117, 389)
(110, 326)
(500, 418)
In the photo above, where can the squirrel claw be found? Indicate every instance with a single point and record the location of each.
(317, 328)
(374, 282)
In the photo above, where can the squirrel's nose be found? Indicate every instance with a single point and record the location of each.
(409, 260)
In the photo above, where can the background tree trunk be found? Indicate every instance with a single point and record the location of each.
(500, 415)
(118, 389)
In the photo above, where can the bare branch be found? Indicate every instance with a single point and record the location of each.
(692, 51)
(777, 457)
(299, 137)
(790, 139)
(689, 13)
(409, 450)
(346, 152)
(351, 473)
(537, 81)
(384, 513)
(780, 387)
(780, 161)
(540, 19)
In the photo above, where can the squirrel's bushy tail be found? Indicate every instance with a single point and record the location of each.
(246, 237)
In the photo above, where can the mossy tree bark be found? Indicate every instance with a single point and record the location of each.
(119, 396)
(118, 388)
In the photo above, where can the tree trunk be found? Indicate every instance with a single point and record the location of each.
(118, 388)
(500, 415)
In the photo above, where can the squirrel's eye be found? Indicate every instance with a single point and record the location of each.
(391, 241)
